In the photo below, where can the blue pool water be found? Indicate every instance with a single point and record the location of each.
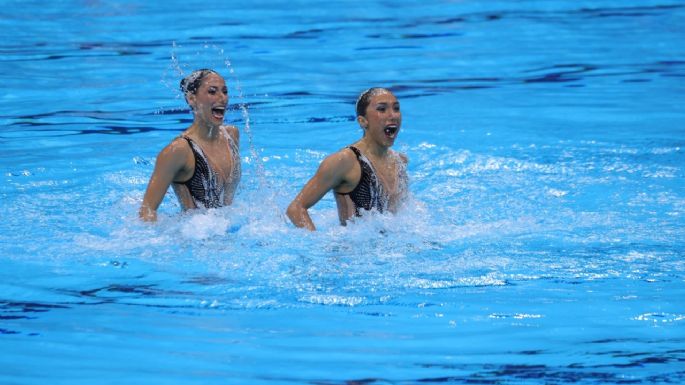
(543, 242)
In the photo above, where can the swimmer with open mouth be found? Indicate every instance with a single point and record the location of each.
(365, 176)
(203, 163)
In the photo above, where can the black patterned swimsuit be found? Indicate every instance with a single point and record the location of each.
(369, 193)
(204, 185)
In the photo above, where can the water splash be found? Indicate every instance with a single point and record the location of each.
(259, 165)
(177, 73)
(212, 56)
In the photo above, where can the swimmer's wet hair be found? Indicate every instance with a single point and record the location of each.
(192, 82)
(365, 98)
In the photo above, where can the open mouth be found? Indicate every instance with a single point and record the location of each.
(218, 112)
(391, 130)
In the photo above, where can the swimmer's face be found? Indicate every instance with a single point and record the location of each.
(210, 100)
(383, 118)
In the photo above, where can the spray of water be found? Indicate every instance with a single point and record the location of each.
(183, 61)
(258, 164)
(172, 75)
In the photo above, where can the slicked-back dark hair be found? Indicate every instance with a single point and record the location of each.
(192, 82)
(365, 98)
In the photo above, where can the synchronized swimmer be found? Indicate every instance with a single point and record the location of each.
(203, 163)
(366, 175)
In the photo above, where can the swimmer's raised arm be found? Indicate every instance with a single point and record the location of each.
(170, 162)
(332, 173)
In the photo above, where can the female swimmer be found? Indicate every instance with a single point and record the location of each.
(366, 175)
(203, 163)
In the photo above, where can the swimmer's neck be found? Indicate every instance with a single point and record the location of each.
(208, 132)
(374, 149)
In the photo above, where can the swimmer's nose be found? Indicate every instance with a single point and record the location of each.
(395, 116)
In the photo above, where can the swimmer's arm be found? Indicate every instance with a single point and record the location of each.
(169, 162)
(331, 174)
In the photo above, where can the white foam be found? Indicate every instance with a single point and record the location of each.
(422, 283)
(515, 316)
(332, 299)
(556, 193)
(204, 225)
(658, 318)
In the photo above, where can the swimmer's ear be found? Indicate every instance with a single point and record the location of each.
(362, 122)
(190, 99)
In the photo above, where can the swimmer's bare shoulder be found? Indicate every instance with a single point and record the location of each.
(172, 164)
(336, 172)
(402, 156)
(339, 165)
(175, 153)
(233, 131)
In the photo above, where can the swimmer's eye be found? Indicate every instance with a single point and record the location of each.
(382, 108)
(214, 90)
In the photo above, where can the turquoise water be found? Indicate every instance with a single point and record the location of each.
(543, 242)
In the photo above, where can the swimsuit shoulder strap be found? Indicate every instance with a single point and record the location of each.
(203, 184)
(367, 176)
(191, 143)
(358, 154)
(356, 151)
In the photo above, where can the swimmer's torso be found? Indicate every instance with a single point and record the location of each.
(379, 190)
(215, 175)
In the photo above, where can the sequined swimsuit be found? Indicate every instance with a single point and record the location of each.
(204, 186)
(369, 193)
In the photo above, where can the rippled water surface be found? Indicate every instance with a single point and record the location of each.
(543, 242)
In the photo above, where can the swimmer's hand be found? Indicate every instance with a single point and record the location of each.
(147, 214)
